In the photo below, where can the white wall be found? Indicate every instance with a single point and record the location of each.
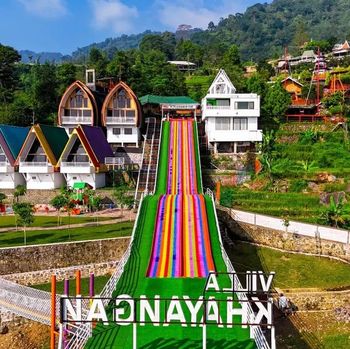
(45, 180)
(123, 138)
(97, 180)
(11, 180)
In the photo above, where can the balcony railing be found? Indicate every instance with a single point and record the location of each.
(34, 163)
(120, 120)
(76, 119)
(225, 107)
(75, 164)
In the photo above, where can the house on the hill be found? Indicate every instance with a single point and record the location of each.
(293, 87)
(122, 116)
(83, 158)
(39, 155)
(231, 118)
(11, 141)
(341, 50)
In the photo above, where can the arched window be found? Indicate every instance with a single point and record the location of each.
(121, 105)
(77, 105)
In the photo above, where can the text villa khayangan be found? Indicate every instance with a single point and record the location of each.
(218, 306)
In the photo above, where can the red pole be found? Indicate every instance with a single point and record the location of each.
(53, 312)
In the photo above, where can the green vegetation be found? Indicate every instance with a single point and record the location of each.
(293, 206)
(50, 221)
(292, 270)
(100, 281)
(38, 237)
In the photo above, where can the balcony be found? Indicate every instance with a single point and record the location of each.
(226, 107)
(35, 167)
(115, 120)
(5, 167)
(76, 167)
(75, 120)
(235, 136)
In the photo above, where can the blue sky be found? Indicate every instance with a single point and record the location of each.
(64, 25)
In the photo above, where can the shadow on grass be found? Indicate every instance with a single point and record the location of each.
(287, 333)
(191, 344)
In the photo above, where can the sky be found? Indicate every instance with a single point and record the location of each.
(64, 25)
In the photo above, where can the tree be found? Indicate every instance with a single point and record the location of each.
(66, 74)
(2, 198)
(8, 77)
(189, 51)
(24, 216)
(19, 191)
(98, 61)
(123, 198)
(231, 57)
(58, 202)
(276, 103)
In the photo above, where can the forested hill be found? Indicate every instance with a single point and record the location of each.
(261, 32)
(264, 29)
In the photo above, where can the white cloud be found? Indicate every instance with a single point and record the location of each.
(196, 13)
(45, 8)
(114, 14)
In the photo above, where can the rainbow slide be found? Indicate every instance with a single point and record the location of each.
(175, 245)
(181, 244)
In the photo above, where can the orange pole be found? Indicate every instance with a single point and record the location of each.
(53, 312)
(78, 282)
(218, 191)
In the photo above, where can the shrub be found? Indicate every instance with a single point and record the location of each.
(297, 185)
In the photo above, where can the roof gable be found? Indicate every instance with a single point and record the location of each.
(12, 139)
(56, 138)
(289, 78)
(222, 84)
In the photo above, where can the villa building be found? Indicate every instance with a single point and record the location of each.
(83, 158)
(121, 115)
(231, 119)
(38, 157)
(11, 141)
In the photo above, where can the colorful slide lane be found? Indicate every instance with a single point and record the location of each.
(181, 242)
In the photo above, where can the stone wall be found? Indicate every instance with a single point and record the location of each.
(54, 256)
(282, 240)
(228, 178)
(44, 276)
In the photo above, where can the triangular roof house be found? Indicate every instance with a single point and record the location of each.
(11, 141)
(52, 140)
(221, 85)
(94, 143)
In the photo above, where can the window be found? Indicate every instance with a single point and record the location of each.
(223, 102)
(130, 113)
(74, 177)
(222, 124)
(128, 131)
(240, 123)
(244, 105)
(116, 131)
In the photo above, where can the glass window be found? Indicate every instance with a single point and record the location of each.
(240, 123)
(116, 131)
(130, 113)
(223, 102)
(109, 112)
(128, 131)
(244, 105)
(222, 124)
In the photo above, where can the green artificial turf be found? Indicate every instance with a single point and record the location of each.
(37, 237)
(100, 281)
(134, 282)
(51, 221)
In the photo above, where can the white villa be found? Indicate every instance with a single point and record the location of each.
(121, 115)
(231, 119)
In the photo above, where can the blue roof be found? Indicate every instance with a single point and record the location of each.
(14, 137)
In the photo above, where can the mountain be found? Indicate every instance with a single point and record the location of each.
(42, 57)
(262, 32)
(265, 29)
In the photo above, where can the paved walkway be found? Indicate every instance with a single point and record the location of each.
(127, 216)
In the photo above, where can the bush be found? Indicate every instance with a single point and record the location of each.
(297, 185)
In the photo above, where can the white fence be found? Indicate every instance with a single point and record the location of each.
(311, 230)
(255, 331)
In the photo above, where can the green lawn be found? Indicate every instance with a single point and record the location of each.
(294, 206)
(292, 270)
(100, 281)
(50, 221)
(11, 239)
